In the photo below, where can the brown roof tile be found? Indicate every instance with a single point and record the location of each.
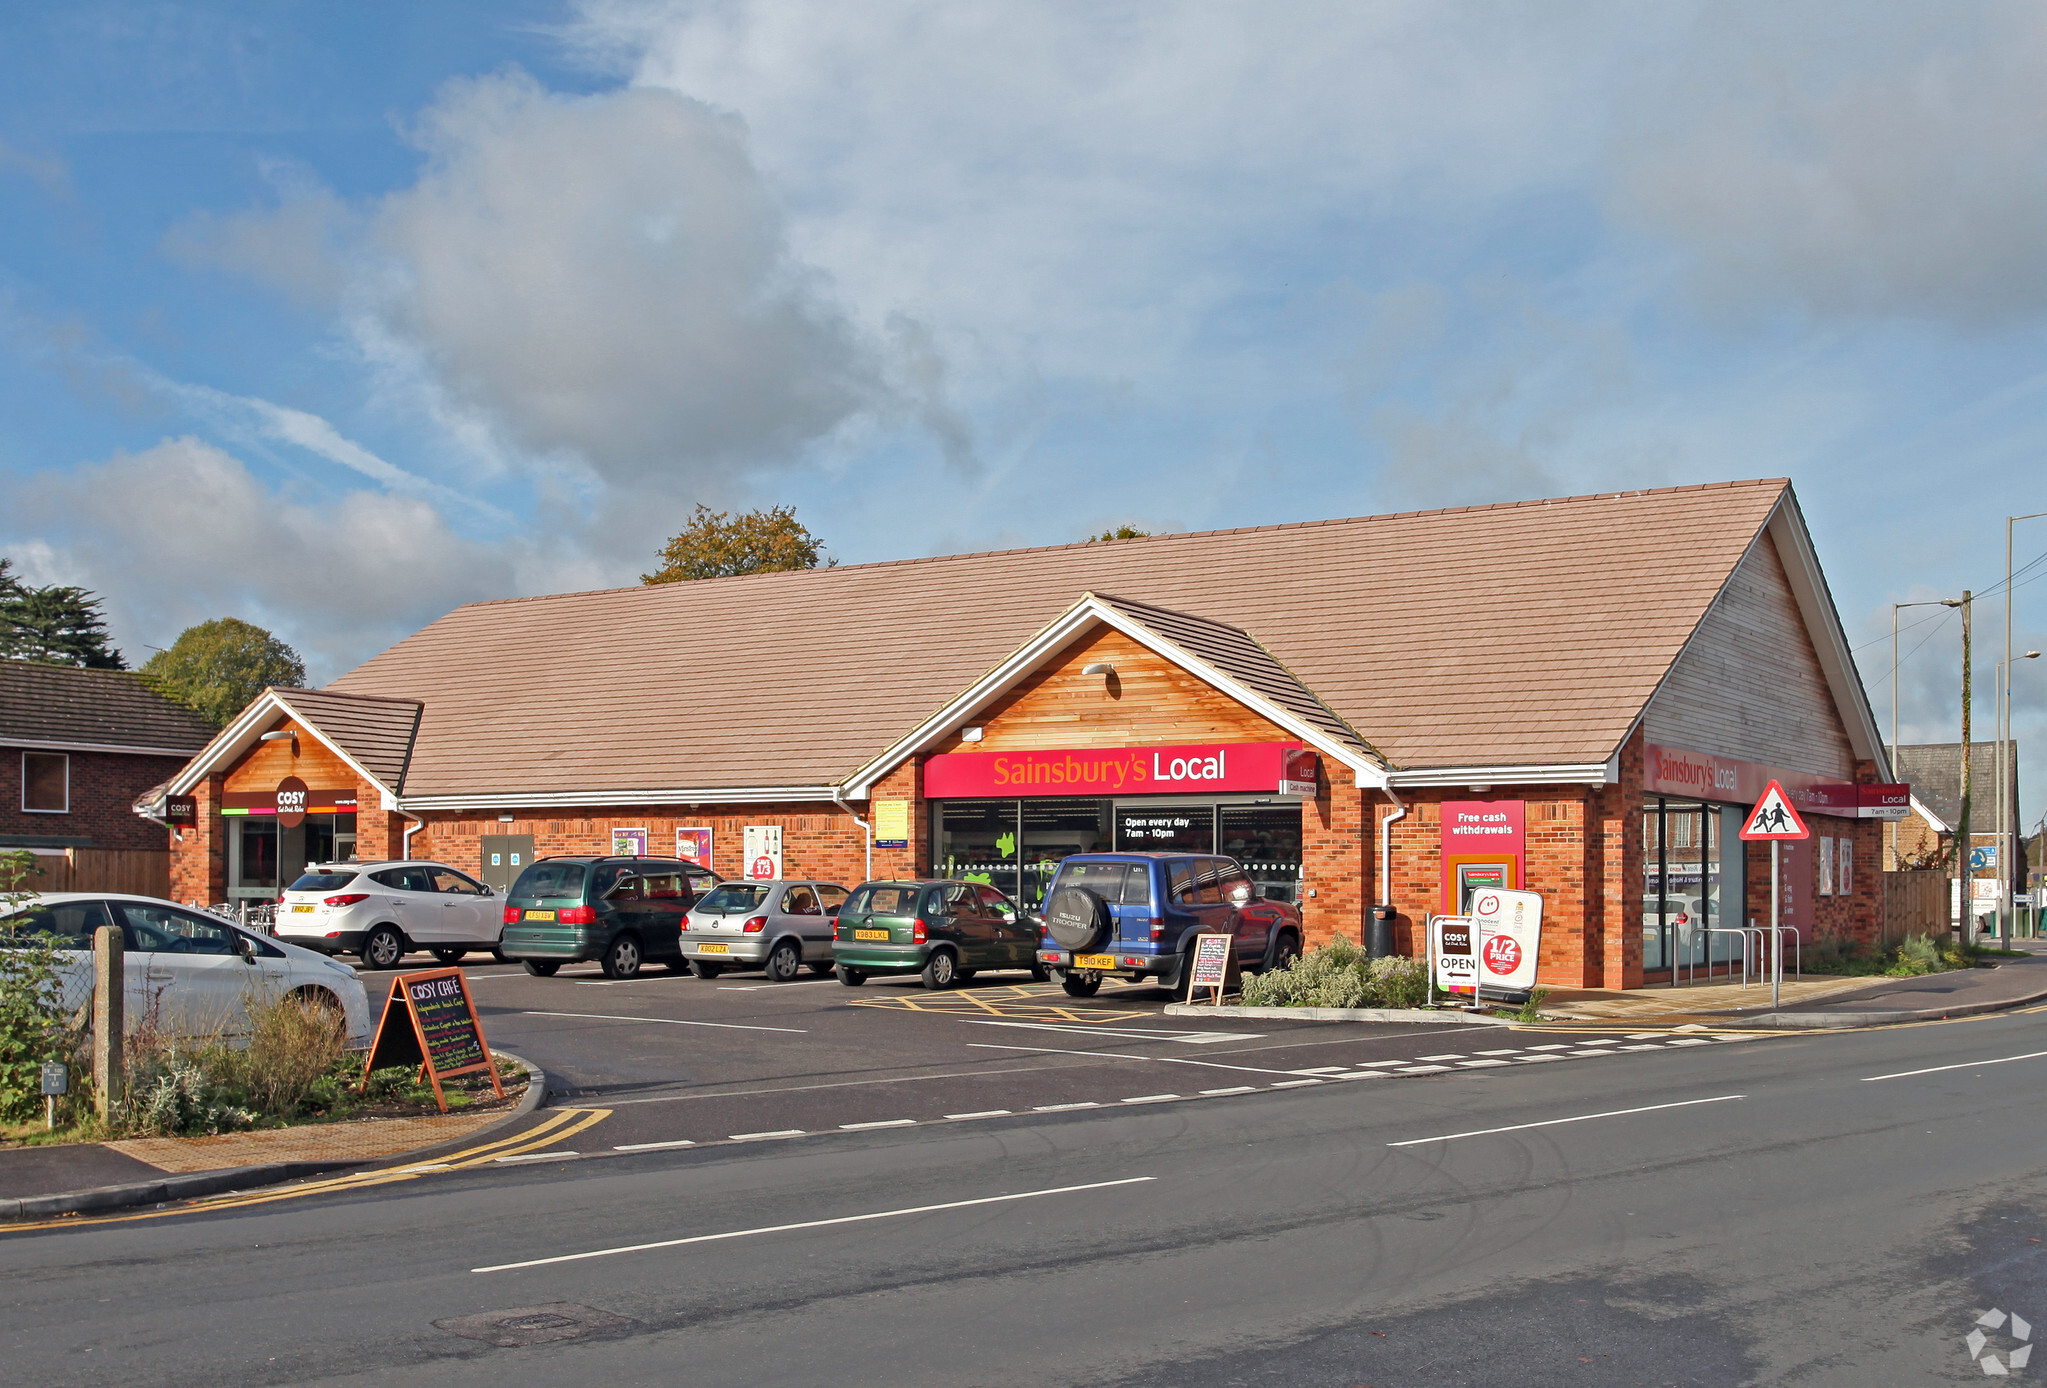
(110, 708)
(1515, 634)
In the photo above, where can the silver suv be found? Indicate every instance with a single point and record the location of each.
(779, 926)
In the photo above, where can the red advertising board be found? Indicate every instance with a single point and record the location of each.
(1675, 771)
(1483, 841)
(1196, 769)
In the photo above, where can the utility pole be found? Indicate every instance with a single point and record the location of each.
(1963, 842)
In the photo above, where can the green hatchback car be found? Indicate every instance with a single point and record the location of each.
(946, 931)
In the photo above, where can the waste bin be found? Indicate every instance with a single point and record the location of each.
(1379, 933)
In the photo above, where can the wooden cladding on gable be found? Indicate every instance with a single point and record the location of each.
(1148, 701)
(267, 763)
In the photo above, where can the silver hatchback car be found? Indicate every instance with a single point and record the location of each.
(779, 926)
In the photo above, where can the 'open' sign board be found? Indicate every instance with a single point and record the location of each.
(430, 1020)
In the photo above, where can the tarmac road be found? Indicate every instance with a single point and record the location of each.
(1799, 1210)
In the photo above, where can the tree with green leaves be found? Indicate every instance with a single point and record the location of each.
(716, 544)
(1121, 532)
(56, 625)
(217, 668)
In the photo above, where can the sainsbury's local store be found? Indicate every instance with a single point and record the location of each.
(1392, 710)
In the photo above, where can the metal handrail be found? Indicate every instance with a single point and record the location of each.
(1740, 934)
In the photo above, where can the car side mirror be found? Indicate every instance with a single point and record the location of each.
(245, 947)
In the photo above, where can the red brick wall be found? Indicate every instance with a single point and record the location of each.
(199, 854)
(104, 788)
(1335, 860)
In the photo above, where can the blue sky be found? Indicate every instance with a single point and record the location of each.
(333, 317)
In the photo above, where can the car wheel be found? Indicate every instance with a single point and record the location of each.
(383, 947)
(448, 956)
(622, 960)
(1081, 985)
(821, 968)
(543, 968)
(1285, 950)
(783, 961)
(940, 970)
(320, 1003)
(1040, 974)
(704, 968)
(852, 977)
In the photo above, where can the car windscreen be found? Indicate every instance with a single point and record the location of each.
(551, 880)
(322, 882)
(884, 899)
(730, 898)
(71, 922)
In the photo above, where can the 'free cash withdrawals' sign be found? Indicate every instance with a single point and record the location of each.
(429, 1020)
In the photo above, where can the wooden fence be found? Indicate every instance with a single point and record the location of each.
(1915, 903)
(143, 871)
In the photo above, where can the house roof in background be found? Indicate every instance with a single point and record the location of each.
(62, 705)
(1524, 634)
(1934, 770)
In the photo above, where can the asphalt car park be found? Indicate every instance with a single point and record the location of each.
(677, 1061)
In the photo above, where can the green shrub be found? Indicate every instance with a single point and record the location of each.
(1917, 955)
(34, 1023)
(1338, 974)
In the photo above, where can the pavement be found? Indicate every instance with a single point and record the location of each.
(1825, 1209)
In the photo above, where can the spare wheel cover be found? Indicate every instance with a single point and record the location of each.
(1076, 917)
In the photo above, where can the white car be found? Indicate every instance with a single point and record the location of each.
(381, 911)
(188, 973)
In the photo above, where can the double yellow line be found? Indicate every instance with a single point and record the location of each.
(558, 1126)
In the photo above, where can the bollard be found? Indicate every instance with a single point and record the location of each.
(109, 993)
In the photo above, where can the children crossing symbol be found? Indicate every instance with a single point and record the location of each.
(1774, 817)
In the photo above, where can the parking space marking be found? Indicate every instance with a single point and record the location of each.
(772, 987)
(1192, 1038)
(817, 1223)
(667, 1021)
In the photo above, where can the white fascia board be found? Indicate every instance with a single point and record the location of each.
(1591, 773)
(12, 744)
(1089, 610)
(1940, 826)
(1823, 625)
(623, 799)
(240, 735)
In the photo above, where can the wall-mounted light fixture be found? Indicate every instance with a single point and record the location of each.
(970, 734)
(280, 735)
(1100, 667)
(507, 817)
(1478, 790)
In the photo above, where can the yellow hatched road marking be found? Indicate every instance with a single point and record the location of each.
(559, 1125)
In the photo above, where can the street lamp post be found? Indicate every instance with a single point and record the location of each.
(1894, 703)
(2006, 773)
(2007, 853)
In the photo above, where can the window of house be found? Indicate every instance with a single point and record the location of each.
(46, 782)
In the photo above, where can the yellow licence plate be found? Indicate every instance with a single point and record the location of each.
(714, 949)
(304, 908)
(540, 915)
(870, 934)
(1094, 961)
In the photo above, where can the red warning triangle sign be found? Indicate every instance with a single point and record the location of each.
(1774, 817)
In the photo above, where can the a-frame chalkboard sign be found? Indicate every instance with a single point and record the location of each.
(430, 1021)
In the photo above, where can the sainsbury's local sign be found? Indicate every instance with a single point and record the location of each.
(1265, 768)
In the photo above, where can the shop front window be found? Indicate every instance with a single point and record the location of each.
(252, 857)
(1052, 831)
(1691, 890)
(1165, 828)
(977, 840)
(1266, 839)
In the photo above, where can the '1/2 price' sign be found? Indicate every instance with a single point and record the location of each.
(430, 1020)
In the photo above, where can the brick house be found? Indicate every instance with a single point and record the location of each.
(1934, 770)
(77, 748)
(1576, 697)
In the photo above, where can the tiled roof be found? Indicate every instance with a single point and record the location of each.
(376, 733)
(107, 708)
(1497, 635)
(1934, 770)
(1236, 653)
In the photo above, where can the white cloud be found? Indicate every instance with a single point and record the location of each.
(183, 532)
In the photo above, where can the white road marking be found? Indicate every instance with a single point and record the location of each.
(1322, 1070)
(771, 987)
(1236, 1089)
(653, 1146)
(1430, 1059)
(1294, 1084)
(430, 1166)
(1554, 1122)
(537, 1156)
(1153, 1098)
(1480, 1064)
(1555, 1046)
(667, 1021)
(754, 1137)
(883, 1123)
(984, 1113)
(1424, 1070)
(1062, 1108)
(1511, 1050)
(1113, 1055)
(1385, 1062)
(816, 1224)
(1192, 1038)
(1966, 1065)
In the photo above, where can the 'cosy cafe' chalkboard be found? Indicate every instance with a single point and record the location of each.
(429, 1020)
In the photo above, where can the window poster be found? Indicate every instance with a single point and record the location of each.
(891, 824)
(694, 846)
(1825, 846)
(629, 843)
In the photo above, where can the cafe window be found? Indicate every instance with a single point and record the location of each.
(46, 782)
(252, 863)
